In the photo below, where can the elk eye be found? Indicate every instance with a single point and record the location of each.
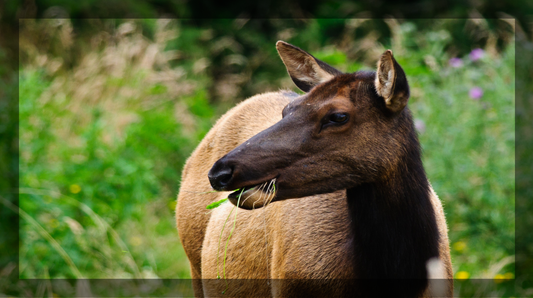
(338, 118)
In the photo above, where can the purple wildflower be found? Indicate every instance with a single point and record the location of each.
(420, 125)
(476, 93)
(476, 54)
(456, 62)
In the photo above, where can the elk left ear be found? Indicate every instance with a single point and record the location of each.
(391, 83)
(305, 70)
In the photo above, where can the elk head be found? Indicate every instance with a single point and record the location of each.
(346, 129)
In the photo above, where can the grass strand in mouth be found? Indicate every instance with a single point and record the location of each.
(272, 191)
(257, 188)
(220, 202)
(220, 240)
(229, 237)
(213, 206)
(217, 203)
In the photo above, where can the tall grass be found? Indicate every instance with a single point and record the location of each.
(112, 134)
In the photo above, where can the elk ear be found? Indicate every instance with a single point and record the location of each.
(391, 83)
(305, 70)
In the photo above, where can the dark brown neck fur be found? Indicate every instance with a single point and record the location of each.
(394, 228)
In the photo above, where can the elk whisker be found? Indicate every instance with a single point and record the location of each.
(251, 195)
(272, 194)
(260, 196)
(269, 188)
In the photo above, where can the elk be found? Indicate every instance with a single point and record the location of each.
(348, 209)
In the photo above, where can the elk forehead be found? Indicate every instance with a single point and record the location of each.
(341, 85)
(340, 91)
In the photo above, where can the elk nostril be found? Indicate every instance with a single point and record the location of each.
(224, 176)
(224, 179)
(221, 178)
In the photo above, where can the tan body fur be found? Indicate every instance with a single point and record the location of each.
(290, 239)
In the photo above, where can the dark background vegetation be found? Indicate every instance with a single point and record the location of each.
(111, 108)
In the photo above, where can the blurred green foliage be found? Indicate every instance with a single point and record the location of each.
(111, 109)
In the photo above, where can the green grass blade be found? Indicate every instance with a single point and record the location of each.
(229, 237)
(220, 238)
(216, 204)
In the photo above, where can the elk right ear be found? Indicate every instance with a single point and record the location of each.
(305, 70)
(391, 83)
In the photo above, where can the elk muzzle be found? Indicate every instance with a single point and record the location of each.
(249, 191)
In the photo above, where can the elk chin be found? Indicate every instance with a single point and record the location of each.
(252, 198)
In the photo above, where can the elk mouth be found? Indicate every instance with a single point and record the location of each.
(254, 196)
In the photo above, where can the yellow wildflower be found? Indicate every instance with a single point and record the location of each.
(74, 188)
(462, 275)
